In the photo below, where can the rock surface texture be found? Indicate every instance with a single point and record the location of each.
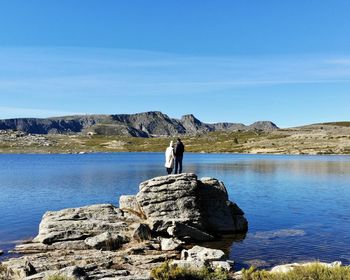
(168, 214)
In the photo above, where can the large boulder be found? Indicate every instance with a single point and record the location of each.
(170, 198)
(182, 204)
(178, 206)
(81, 223)
(219, 214)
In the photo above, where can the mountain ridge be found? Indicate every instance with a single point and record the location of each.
(144, 124)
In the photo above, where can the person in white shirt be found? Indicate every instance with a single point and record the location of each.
(169, 158)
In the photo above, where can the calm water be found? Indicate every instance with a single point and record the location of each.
(298, 207)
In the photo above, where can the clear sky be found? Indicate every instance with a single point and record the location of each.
(235, 60)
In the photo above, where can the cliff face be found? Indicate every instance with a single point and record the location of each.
(138, 125)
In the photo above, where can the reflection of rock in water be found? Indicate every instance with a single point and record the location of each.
(225, 242)
(297, 166)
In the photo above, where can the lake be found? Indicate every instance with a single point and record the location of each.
(298, 207)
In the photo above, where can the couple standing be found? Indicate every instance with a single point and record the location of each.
(174, 154)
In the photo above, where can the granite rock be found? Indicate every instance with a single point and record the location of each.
(81, 223)
(105, 242)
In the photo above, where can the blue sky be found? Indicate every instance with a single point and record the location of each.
(238, 61)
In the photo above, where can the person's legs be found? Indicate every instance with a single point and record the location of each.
(169, 170)
(176, 164)
(180, 164)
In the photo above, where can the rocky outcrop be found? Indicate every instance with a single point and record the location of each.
(263, 125)
(219, 214)
(168, 214)
(167, 199)
(185, 207)
(81, 223)
(229, 126)
(137, 125)
(193, 125)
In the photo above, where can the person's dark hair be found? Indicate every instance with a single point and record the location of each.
(178, 139)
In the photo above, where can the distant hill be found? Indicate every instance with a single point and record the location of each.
(146, 124)
(344, 123)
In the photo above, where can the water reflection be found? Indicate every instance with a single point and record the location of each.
(319, 168)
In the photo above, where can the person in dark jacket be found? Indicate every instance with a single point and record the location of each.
(178, 152)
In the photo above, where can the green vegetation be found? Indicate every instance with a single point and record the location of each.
(169, 272)
(307, 140)
(311, 272)
(210, 142)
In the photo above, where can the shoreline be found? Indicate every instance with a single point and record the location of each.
(161, 152)
(330, 140)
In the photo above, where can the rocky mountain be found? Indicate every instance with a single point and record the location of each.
(263, 125)
(193, 125)
(138, 125)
